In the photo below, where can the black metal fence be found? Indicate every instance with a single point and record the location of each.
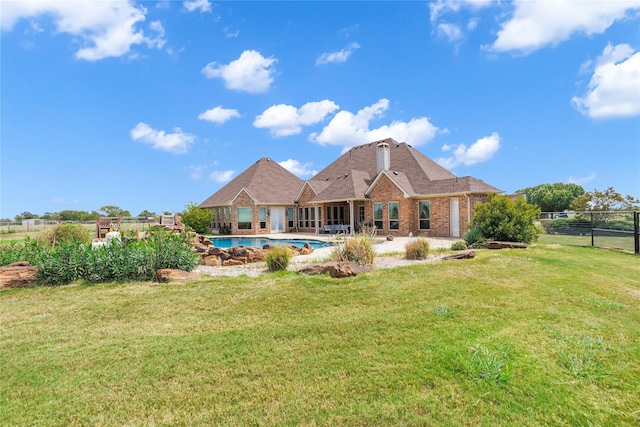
(604, 229)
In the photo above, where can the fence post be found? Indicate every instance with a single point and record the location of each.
(636, 232)
(592, 241)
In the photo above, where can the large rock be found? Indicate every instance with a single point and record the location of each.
(336, 269)
(211, 260)
(17, 274)
(503, 245)
(174, 275)
(461, 255)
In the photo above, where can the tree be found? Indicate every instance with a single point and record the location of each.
(607, 200)
(505, 219)
(26, 215)
(556, 197)
(198, 219)
(146, 214)
(111, 210)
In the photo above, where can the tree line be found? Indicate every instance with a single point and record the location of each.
(74, 215)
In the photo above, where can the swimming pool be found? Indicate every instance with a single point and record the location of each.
(258, 242)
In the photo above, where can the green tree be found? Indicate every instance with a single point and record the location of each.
(26, 215)
(111, 210)
(146, 214)
(502, 218)
(71, 215)
(556, 197)
(197, 218)
(607, 200)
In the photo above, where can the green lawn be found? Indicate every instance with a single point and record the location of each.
(548, 335)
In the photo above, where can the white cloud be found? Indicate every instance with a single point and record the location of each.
(218, 114)
(348, 130)
(299, 169)
(337, 57)
(451, 31)
(202, 5)
(614, 89)
(583, 180)
(480, 151)
(250, 73)
(539, 23)
(196, 171)
(221, 176)
(286, 120)
(176, 143)
(105, 28)
(440, 7)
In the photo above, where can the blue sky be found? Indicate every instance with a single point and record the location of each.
(151, 105)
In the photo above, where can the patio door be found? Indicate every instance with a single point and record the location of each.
(454, 217)
(277, 220)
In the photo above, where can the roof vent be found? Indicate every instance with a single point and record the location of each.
(383, 157)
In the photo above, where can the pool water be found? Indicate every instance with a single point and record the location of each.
(258, 242)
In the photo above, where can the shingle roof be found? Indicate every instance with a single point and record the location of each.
(351, 174)
(266, 181)
(349, 178)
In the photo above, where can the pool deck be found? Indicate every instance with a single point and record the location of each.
(397, 245)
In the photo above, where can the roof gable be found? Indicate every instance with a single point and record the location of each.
(265, 181)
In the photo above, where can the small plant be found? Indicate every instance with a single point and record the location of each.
(473, 238)
(278, 258)
(443, 311)
(482, 364)
(458, 245)
(417, 248)
(584, 364)
(65, 232)
(357, 248)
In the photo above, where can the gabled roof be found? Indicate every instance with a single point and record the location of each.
(354, 173)
(265, 181)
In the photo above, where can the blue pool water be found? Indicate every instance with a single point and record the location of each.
(258, 242)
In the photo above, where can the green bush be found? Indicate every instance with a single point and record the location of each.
(417, 248)
(505, 219)
(473, 238)
(126, 259)
(30, 250)
(458, 245)
(278, 258)
(357, 248)
(65, 232)
(198, 219)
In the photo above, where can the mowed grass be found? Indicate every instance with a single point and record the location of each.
(549, 335)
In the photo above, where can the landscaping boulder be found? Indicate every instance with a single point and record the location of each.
(503, 245)
(336, 269)
(174, 275)
(461, 255)
(17, 274)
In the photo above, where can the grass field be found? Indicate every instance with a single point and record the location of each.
(548, 335)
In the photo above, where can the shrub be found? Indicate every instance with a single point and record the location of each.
(126, 259)
(473, 238)
(198, 219)
(278, 258)
(458, 245)
(417, 248)
(65, 232)
(30, 250)
(357, 248)
(502, 218)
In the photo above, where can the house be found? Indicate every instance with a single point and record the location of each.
(385, 183)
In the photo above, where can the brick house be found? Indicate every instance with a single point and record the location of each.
(387, 184)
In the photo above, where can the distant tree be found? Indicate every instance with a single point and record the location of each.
(26, 215)
(146, 214)
(556, 197)
(198, 219)
(71, 215)
(607, 200)
(111, 210)
(504, 219)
